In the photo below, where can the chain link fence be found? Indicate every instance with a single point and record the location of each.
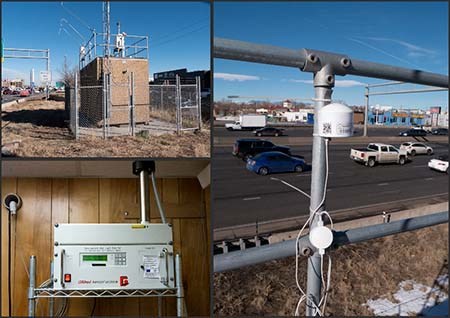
(121, 109)
(190, 116)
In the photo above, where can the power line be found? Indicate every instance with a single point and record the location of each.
(180, 36)
(76, 17)
(183, 28)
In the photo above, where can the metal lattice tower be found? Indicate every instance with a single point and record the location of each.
(106, 27)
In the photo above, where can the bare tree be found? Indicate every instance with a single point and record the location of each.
(67, 73)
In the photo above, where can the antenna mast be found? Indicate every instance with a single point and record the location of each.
(106, 27)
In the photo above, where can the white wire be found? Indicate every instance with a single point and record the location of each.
(291, 186)
(311, 217)
(329, 218)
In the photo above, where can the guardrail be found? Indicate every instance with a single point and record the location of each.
(256, 255)
(324, 66)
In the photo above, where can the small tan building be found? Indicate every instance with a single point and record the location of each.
(358, 117)
(91, 92)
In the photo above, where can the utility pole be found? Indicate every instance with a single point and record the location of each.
(366, 110)
(48, 74)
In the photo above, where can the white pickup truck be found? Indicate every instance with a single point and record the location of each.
(379, 153)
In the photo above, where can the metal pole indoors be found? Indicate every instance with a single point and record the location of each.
(31, 297)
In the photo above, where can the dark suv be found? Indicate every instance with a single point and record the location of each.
(413, 132)
(245, 148)
(439, 131)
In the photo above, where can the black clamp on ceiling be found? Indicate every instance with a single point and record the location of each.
(143, 165)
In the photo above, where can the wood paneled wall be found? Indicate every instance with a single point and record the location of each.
(50, 201)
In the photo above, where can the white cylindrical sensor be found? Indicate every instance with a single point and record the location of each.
(335, 121)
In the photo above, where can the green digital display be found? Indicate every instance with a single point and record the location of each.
(95, 258)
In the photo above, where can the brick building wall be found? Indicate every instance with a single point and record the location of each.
(91, 97)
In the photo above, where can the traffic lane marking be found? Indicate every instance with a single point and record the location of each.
(250, 199)
(383, 184)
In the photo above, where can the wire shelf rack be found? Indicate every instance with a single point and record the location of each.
(53, 293)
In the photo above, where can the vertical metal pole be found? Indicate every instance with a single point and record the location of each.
(95, 44)
(106, 27)
(109, 104)
(31, 296)
(76, 107)
(51, 300)
(161, 107)
(323, 84)
(48, 73)
(366, 110)
(129, 105)
(199, 102)
(104, 104)
(179, 286)
(147, 46)
(145, 195)
(178, 103)
(159, 306)
(132, 109)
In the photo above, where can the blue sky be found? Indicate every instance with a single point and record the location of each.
(406, 34)
(179, 32)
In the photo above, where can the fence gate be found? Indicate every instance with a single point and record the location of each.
(190, 106)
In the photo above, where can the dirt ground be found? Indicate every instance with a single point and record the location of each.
(40, 129)
(360, 272)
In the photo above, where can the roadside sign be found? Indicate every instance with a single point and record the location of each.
(45, 76)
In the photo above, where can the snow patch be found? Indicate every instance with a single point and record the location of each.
(411, 298)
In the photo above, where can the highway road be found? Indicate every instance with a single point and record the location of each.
(306, 131)
(242, 197)
(9, 98)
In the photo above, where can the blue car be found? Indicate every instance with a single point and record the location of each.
(275, 161)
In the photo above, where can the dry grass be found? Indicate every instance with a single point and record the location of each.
(164, 115)
(40, 129)
(360, 272)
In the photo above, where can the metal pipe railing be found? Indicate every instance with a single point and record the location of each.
(408, 91)
(266, 54)
(257, 255)
(324, 66)
(244, 51)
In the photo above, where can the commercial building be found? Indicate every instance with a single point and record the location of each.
(389, 116)
(165, 77)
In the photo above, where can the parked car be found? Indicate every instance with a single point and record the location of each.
(7, 91)
(416, 132)
(249, 147)
(269, 131)
(16, 92)
(24, 93)
(275, 161)
(378, 153)
(416, 148)
(439, 131)
(440, 163)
